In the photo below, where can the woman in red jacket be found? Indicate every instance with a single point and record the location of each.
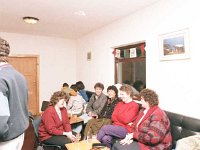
(151, 129)
(124, 113)
(55, 127)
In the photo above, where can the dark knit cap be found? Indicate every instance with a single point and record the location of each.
(4, 48)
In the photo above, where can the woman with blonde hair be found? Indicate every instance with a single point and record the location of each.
(151, 129)
(124, 113)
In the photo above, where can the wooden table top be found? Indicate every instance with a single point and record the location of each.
(75, 119)
(82, 145)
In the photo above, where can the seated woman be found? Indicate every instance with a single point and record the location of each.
(75, 106)
(55, 127)
(94, 125)
(96, 103)
(151, 129)
(124, 113)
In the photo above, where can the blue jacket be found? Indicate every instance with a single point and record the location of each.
(83, 94)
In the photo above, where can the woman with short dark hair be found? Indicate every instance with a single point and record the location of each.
(100, 85)
(97, 100)
(151, 129)
(95, 104)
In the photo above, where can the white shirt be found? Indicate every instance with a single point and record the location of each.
(145, 112)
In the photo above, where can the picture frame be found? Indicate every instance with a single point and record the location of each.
(174, 45)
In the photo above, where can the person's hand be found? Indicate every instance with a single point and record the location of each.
(78, 137)
(127, 139)
(130, 141)
(90, 114)
(70, 136)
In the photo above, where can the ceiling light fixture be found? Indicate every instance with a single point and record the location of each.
(30, 20)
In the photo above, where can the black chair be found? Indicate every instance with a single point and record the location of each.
(45, 104)
(89, 94)
(36, 123)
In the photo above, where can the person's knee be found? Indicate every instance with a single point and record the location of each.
(101, 132)
(104, 128)
(106, 139)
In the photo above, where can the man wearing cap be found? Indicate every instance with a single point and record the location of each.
(13, 103)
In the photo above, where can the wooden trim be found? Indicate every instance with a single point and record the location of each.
(130, 59)
(38, 79)
(131, 46)
(22, 55)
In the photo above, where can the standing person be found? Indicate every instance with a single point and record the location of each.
(81, 90)
(151, 129)
(14, 118)
(55, 127)
(124, 113)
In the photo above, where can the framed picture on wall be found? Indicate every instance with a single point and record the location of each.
(174, 45)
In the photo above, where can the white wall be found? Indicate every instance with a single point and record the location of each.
(177, 81)
(57, 59)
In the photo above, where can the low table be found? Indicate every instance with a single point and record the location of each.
(75, 119)
(82, 145)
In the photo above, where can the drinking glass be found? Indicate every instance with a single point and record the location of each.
(89, 137)
(78, 137)
(94, 137)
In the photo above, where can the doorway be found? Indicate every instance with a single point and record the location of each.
(28, 66)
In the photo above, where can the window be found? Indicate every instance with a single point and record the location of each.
(130, 63)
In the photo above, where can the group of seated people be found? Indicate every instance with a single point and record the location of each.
(115, 116)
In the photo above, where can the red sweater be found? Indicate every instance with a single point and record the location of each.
(153, 132)
(125, 113)
(52, 125)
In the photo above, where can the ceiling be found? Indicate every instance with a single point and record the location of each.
(65, 18)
